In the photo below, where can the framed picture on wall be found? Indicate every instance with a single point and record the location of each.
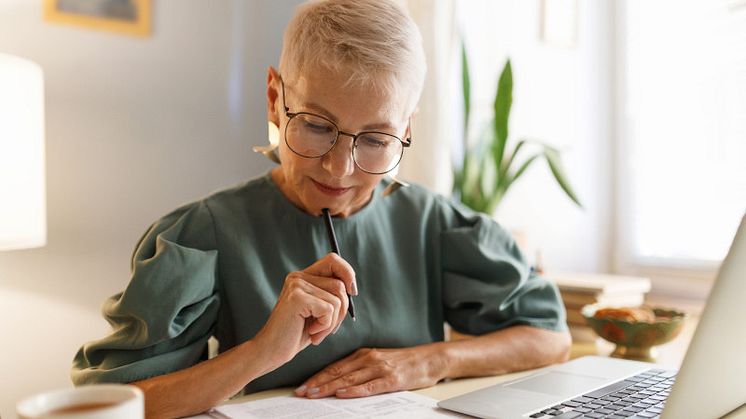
(131, 17)
(559, 22)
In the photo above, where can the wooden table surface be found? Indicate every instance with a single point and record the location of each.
(669, 355)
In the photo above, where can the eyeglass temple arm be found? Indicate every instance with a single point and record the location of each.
(408, 141)
(282, 84)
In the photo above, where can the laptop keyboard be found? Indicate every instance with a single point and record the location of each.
(640, 396)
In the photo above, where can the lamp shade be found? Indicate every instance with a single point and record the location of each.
(22, 179)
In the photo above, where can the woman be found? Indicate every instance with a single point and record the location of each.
(251, 265)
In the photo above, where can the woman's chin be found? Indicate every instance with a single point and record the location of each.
(315, 205)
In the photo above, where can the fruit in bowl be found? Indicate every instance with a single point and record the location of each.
(634, 330)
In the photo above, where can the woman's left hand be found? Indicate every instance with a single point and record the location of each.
(374, 371)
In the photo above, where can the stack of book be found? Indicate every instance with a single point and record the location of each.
(580, 289)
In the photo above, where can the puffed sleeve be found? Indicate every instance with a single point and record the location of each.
(487, 284)
(162, 320)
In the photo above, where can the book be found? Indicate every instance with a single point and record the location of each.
(584, 334)
(580, 289)
(574, 317)
(599, 284)
(575, 300)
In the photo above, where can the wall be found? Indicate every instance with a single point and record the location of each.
(135, 127)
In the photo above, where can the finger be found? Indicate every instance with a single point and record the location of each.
(333, 286)
(333, 372)
(375, 386)
(332, 265)
(331, 290)
(351, 379)
(337, 289)
(314, 304)
(315, 307)
(327, 289)
(323, 320)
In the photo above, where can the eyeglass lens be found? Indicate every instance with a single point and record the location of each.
(313, 136)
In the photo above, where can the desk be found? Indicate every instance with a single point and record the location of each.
(445, 390)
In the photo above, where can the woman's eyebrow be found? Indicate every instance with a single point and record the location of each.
(321, 110)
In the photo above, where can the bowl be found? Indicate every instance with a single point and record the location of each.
(636, 339)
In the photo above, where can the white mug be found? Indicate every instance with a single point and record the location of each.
(100, 401)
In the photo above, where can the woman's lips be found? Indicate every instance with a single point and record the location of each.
(330, 190)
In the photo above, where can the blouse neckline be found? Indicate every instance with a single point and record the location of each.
(299, 213)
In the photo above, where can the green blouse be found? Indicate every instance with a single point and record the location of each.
(215, 267)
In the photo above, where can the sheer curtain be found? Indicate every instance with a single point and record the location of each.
(428, 161)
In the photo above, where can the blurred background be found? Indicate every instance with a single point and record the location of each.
(643, 100)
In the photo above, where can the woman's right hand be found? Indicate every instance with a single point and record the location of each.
(312, 305)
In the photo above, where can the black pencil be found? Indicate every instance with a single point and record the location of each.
(335, 248)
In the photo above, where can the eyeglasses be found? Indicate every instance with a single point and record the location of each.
(312, 136)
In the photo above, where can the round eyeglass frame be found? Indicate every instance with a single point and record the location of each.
(405, 143)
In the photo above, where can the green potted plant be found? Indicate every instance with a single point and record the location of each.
(489, 166)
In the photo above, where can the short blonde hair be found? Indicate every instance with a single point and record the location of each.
(374, 42)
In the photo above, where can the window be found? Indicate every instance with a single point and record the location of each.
(682, 161)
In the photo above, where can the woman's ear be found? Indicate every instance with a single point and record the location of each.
(274, 104)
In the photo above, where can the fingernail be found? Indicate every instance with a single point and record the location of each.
(342, 390)
(300, 389)
(336, 329)
(313, 390)
(354, 287)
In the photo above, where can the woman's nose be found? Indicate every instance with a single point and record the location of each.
(338, 161)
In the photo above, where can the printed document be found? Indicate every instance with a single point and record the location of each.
(403, 404)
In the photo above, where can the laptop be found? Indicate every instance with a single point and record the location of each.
(710, 383)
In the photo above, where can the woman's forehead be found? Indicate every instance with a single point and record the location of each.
(335, 97)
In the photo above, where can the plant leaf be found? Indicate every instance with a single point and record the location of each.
(466, 88)
(555, 165)
(502, 188)
(461, 177)
(502, 105)
(489, 178)
(471, 179)
(505, 167)
(494, 201)
(523, 167)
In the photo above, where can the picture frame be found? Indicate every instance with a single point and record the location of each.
(558, 24)
(129, 17)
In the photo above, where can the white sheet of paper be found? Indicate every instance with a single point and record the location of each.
(403, 404)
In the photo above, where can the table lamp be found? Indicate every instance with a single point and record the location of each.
(22, 179)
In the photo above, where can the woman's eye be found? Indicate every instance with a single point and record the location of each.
(317, 127)
(371, 142)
